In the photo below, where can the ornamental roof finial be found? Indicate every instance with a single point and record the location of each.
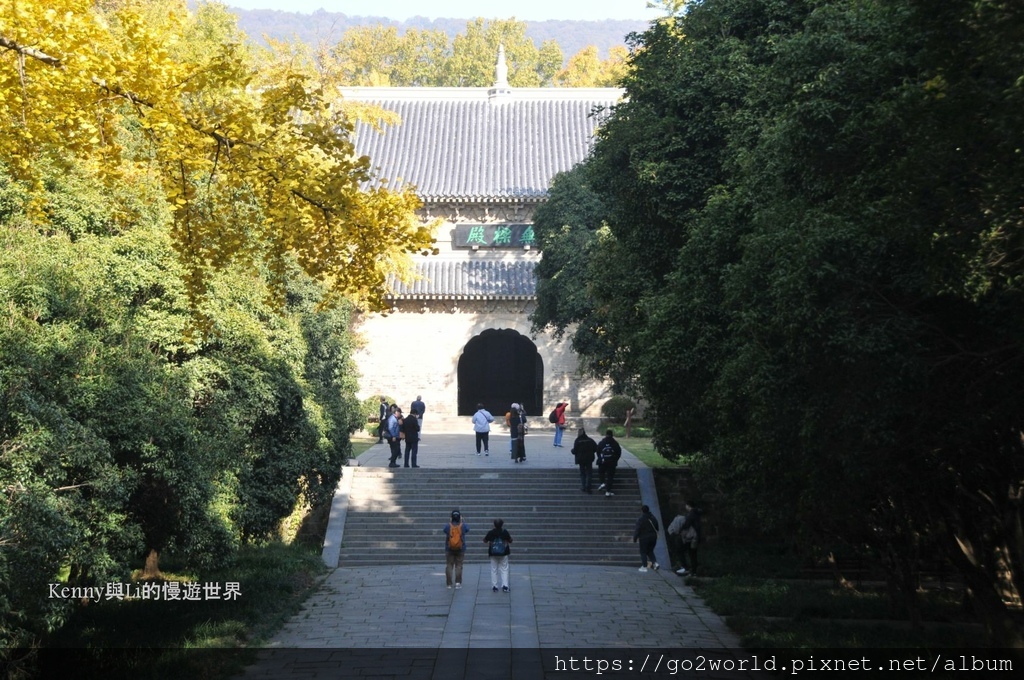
(501, 70)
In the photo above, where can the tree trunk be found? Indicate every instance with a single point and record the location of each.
(151, 571)
(837, 576)
(988, 605)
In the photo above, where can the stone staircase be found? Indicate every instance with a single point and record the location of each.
(397, 516)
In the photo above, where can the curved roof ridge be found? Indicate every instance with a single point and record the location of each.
(468, 148)
(469, 279)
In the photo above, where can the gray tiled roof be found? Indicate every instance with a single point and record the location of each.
(468, 280)
(467, 147)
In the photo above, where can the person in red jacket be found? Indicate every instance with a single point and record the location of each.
(559, 422)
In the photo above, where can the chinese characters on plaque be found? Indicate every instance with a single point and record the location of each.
(494, 236)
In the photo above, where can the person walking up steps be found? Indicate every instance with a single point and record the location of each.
(482, 420)
(584, 450)
(454, 548)
(646, 533)
(608, 453)
(498, 541)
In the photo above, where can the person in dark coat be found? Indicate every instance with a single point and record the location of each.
(499, 543)
(419, 408)
(411, 428)
(686, 530)
(646, 534)
(584, 449)
(512, 419)
(517, 430)
(384, 411)
(608, 453)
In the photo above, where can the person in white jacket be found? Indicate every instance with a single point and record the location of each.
(482, 420)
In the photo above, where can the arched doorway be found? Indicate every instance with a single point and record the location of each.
(499, 367)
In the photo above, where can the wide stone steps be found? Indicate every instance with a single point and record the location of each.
(397, 517)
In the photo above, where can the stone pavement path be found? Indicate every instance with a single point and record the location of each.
(402, 622)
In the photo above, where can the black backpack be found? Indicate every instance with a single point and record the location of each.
(498, 546)
(607, 453)
(553, 416)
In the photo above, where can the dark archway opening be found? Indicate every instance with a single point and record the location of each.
(499, 367)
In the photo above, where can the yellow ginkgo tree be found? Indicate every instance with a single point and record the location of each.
(254, 159)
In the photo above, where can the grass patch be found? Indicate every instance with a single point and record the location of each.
(362, 444)
(210, 639)
(756, 559)
(742, 595)
(643, 448)
(756, 587)
(755, 632)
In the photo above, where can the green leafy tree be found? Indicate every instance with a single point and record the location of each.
(124, 436)
(366, 55)
(583, 69)
(421, 60)
(818, 207)
(100, 456)
(474, 52)
(128, 431)
(586, 69)
(579, 257)
(549, 61)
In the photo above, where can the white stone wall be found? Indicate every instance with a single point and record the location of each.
(415, 349)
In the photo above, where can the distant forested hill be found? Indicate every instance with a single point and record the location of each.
(571, 36)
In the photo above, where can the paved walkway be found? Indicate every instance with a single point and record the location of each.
(401, 621)
(458, 450)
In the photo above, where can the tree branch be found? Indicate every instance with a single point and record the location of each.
(124, 94)
(39, 55)
(72, 487)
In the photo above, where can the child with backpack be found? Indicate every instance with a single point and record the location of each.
(454, 548)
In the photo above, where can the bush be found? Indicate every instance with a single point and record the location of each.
(638, 430)
(370, 407)
(615, 408)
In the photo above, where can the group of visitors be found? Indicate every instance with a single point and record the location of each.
(498, 540)
(606, 453)
(515, 419)
(396, 428)
(684, 534)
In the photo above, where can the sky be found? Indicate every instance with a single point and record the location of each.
(523, 10)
